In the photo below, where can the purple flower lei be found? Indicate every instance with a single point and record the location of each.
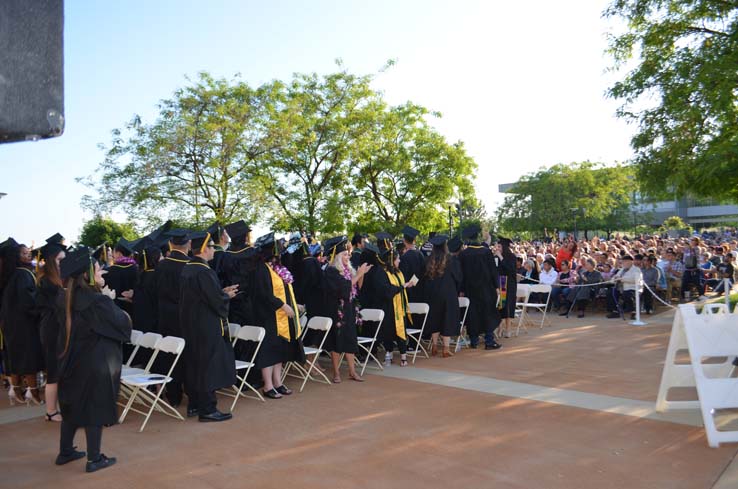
(283, 273)
(125, 260)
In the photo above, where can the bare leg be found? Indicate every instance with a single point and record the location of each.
(277, 375)
(33, 386)
(335, 359)
(266, 376)
(352, 366)
(51, 398)
(434, 344)
(446, 347)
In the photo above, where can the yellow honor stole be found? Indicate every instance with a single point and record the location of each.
(280, 292)
(398, 303)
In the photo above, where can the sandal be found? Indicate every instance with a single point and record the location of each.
(50, 417)
(356, 378)
(272, 394)
(337, 379)
(284, 390)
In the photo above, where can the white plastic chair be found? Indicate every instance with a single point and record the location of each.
(254, 334)
(233, 329)
(316, 323)
(464, 303)
(374, 315)
(147, 341)
(135, 336)
(521, 299)
(419, 308)
(538, 306)
(139, 383)
(715, 309)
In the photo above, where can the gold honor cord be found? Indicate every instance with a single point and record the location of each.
(397, 306)
(296, 316)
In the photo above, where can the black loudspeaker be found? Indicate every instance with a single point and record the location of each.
(31, 69)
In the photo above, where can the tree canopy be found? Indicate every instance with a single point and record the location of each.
(682, 92)
(100, 229)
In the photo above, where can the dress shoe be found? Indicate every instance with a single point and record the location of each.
(215, 416)
(192, 412)
(493, 346)
(102, 462)
(65, 458)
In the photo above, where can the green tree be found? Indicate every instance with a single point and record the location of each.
(197, 161)
(682, 92)
(408, 173)
(99, 230)
(585, 196)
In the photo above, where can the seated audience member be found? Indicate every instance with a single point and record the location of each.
(651, 277)
(626, 289)
(565, 280)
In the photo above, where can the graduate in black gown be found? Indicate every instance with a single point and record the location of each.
(237, 266)
(50, 301)
(480, 286)
(442, 280)
(168, 279)
(220, 237)
(145, 312)
(340, 297)
(123, 274)
(23, 353)
(203, 310)
(507, 270)
(89, 372)
(357, 245)
(384, 288)
(412, 264)
(275, 309)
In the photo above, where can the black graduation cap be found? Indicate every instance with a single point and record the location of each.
(439, 240)
(471, 232)
(140, 244)
(335, 245)
(384, 239)
(454, 244)
(410, 233)
(179, 237)
(200, 240)
(215, 230)
(76, 262)
(101, 253)
(124, 245)
(157, 234)
(315, 249)
(266, 241)
(55, 239)
(50, 250)
(504, 241)
(372, 248)
(8, 244)
(238, 229)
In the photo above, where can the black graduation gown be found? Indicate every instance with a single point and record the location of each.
(89, 375)
(203, 310)
(441, 294)
(506, 268)
(412, 262)
(168, 278)
(377, 293)
(313, 295)
(236, 266)
(20, 324)
(50, 304)
(356, 258)
(342, 338)
(120, 278)
(217, 263)
(145, 313)
(480, 286)
(275, 349)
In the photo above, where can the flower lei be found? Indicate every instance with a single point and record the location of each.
(125, 260)
(341, 303)
(283, 273)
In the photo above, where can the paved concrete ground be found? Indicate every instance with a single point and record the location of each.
(569, 407)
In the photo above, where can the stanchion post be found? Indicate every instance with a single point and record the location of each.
(726, 288)
(639, 287)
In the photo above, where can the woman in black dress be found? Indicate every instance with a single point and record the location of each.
(89, 374)
(507, 270)
(275, 310)
(442, 285)
(341, 286)
(50, 300)
(19, 322)
(145, 292)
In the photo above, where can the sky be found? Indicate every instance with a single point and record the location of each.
(522, 84)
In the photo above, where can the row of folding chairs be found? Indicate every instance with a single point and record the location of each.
(524, 304)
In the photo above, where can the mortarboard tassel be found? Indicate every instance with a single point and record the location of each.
(205, 243)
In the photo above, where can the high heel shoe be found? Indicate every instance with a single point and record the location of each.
(31, 399)
(13, 396)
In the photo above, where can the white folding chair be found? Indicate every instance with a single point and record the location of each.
(316, 323)
(135, 336)
(233, 329)
(256, 335)
(374, 315)
(147, 341)
(521, 299)
(419, 308)
(715, 309)
(139, 384)
(461, 340)
(538, 306)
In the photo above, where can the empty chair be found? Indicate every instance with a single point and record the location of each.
(416, 334)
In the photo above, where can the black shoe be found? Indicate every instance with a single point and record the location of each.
(284, 390)
(102, 462)
(493, 346)
(613, 315)
(63, 458)
(192, 412)
(214, 417)
(565, 313)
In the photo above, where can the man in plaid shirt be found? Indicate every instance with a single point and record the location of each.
(674, 270)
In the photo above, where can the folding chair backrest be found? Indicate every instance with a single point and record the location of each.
(233, 329)
(303, 321)
(319, 323)
(522, 292)
(171, 344)
(715, 309)
(135, 335)
(464, 302)
(251, 333)
(540, 289)
(418, 308)
(375, 315)
(145, 340)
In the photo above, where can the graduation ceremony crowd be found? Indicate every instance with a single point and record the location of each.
(69, 312)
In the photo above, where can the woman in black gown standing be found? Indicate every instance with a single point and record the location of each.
(341, 289)
(50, 300)
(507, 270)
(442, 284)
(89, 374)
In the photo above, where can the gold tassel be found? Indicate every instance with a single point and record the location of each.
(146, 265)
(205, 243)
(92, 272)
